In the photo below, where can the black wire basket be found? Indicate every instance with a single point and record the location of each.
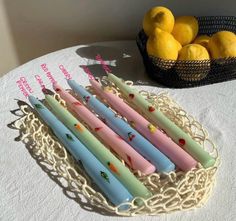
(182, 74)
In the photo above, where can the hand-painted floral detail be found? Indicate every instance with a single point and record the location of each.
(130, 160)
(131, 136)
(77, 103)
(131, 96)
(69, 137)
(181, 142)
(152, 128)
(113, 168)
(38, 106)
(78, 127)
(86, 98)
(151, 109)
(132, 123)
(105, 176)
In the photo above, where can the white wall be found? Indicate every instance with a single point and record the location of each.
(30, 28)
(8, 55)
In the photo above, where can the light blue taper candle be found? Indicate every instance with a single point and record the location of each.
(131, 136)
(109, 185)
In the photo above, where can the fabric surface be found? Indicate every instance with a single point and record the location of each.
(28, 193)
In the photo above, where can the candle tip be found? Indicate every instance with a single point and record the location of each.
(30, 96)
(46, 91)
(69, 80)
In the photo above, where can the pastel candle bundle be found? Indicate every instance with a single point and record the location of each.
(122, 173)
(109, 137)
(108, 183)
(181, 158)
(158, 118)
(143, 146)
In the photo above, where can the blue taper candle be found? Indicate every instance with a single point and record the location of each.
(136, 140)
(108, 183)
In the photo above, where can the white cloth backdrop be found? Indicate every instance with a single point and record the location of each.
(27, 192)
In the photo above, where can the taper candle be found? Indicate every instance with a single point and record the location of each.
(143, 146)
(158, 118)
(122, 173)
(181, 158)
(105, 180)
(108, 136)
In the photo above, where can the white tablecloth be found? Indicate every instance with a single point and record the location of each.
(27, 192)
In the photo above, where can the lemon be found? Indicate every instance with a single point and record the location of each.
(222, 45)
(160, 17)
(193, 52)
(162, 44)
(193, 72)
(185, 29)
(202, 40)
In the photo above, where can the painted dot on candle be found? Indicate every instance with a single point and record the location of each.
(104, 176)
(152, 128)
(131, 136)
(151, 109)
(130, 160)
(86, 98)
(181, 142)
(113, 168)
(97, 128)
(78, 127)
(131, 96)
(76, 103)
(69, 137)
(38, 106)
(57, 89)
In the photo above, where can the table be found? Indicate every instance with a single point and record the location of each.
(27, 193)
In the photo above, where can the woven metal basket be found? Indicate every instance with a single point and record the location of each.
(181, 74)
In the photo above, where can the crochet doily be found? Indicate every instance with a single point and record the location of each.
(171, 192)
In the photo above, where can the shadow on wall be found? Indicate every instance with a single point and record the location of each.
(121, 62)
(40, 27)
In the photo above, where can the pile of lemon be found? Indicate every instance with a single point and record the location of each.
(173, 38)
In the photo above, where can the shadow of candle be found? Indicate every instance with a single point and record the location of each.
(49, 161)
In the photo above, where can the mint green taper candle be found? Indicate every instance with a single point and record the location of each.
(122, 173)
(158, 118)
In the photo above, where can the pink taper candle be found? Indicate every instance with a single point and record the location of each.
(110, 138)
(181, 158)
